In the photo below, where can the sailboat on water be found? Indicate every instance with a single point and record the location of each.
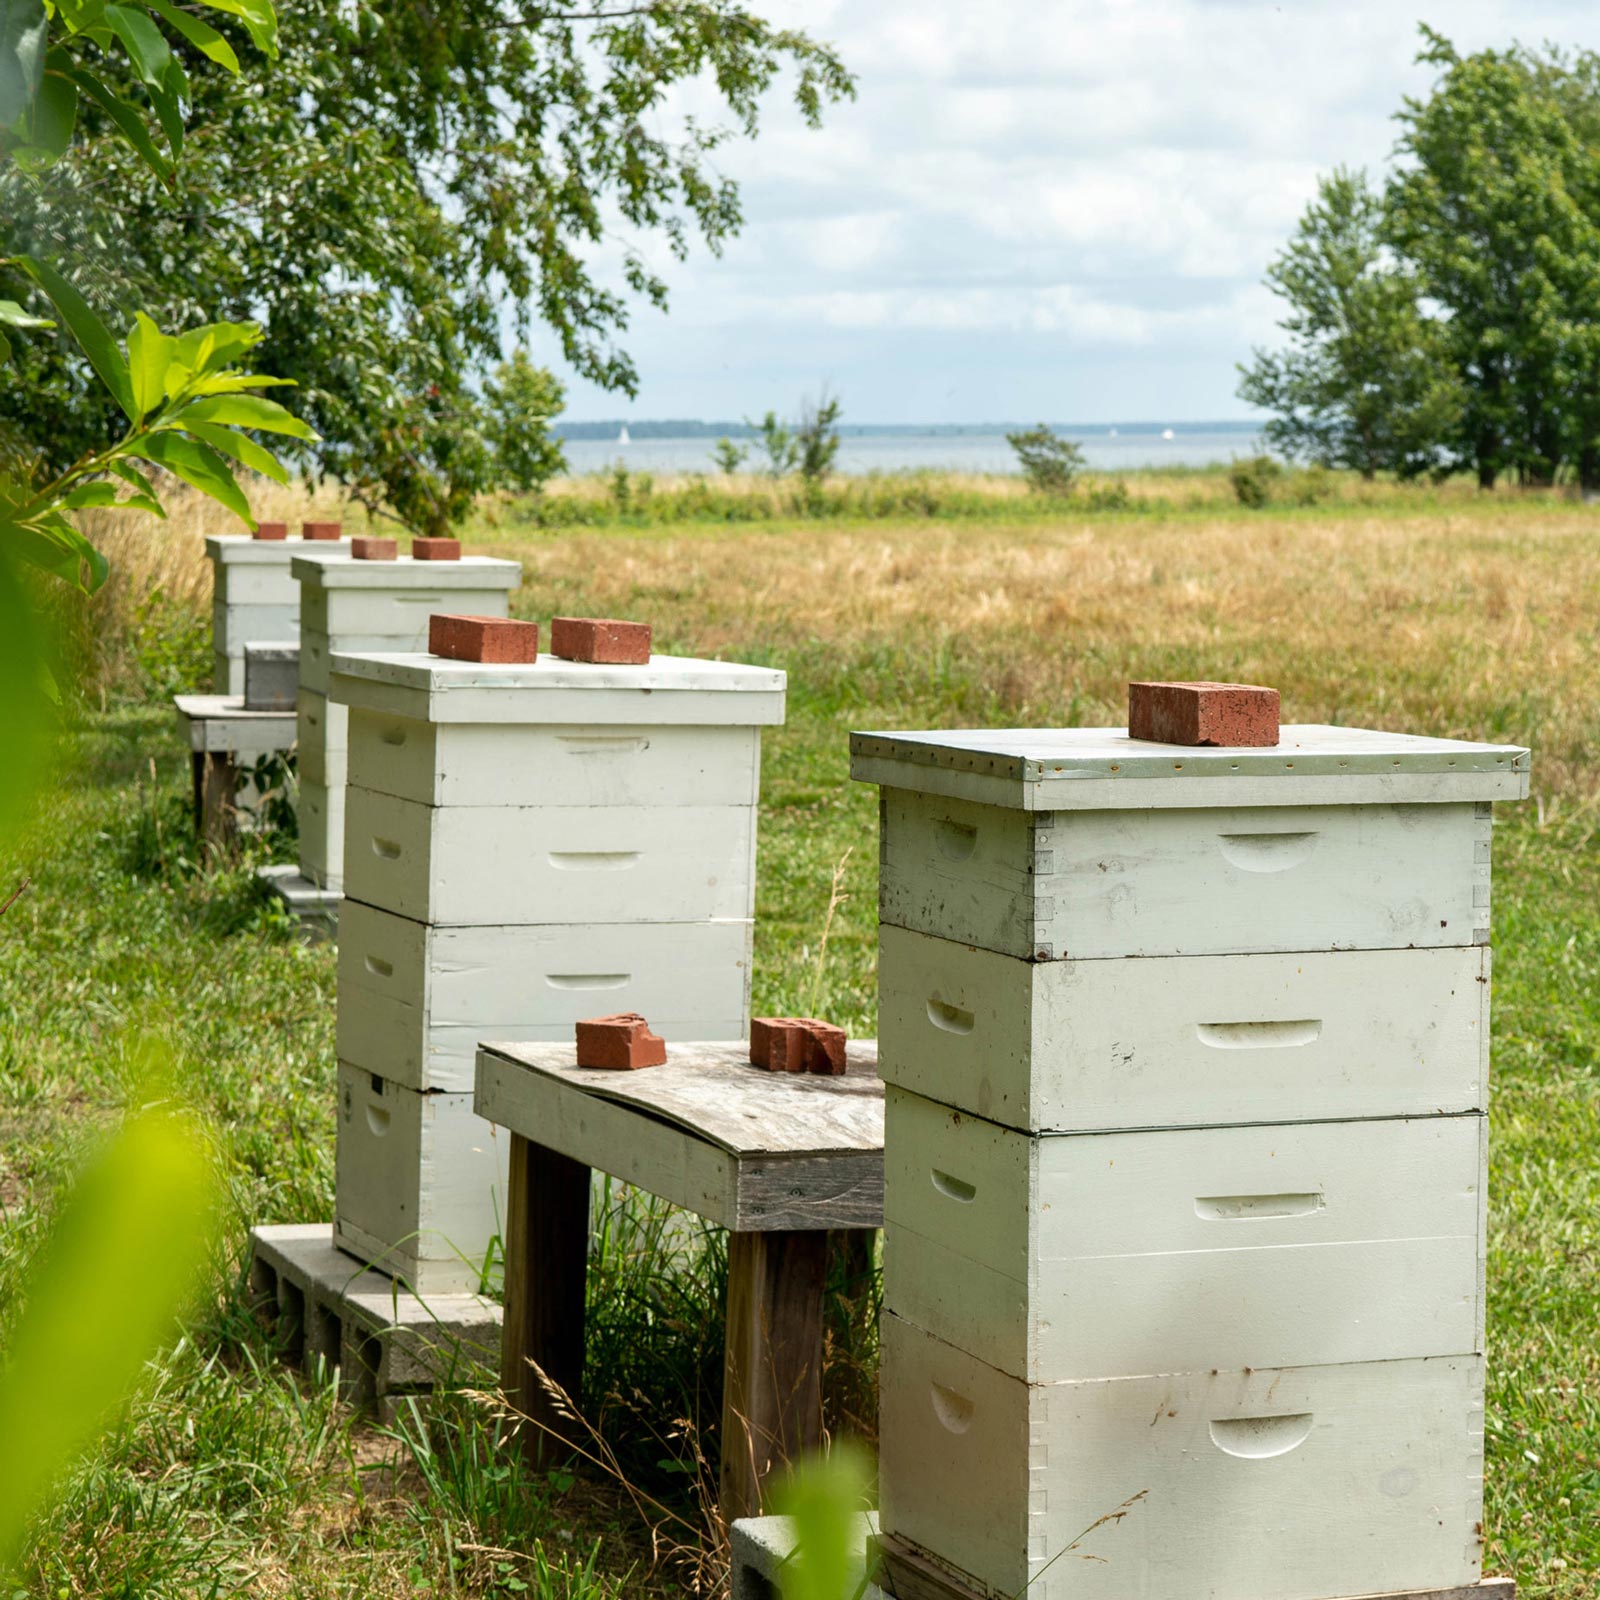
(622, 438)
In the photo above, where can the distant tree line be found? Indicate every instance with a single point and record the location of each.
(1449, 320)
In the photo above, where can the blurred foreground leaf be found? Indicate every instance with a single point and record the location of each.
(99, 1302)
(826, 1496)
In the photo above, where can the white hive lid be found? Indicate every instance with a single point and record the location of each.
(668, 689)
(239, 549)
(1066, 769)
(339, 570)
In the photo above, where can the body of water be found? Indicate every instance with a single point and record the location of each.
(1104, 450)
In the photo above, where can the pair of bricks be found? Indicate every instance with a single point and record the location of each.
(506, 639)
(622, 1043)
(797, 1044)
(308, 530)
(1229, 715)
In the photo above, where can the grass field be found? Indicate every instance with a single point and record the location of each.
(1434, 611)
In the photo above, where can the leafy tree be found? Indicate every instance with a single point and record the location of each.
(728, 457)
(778, 441)
(1497, 207)
(816, 440)
(1366, 381)
(522, 400)
(1050, 464)
(407, 183)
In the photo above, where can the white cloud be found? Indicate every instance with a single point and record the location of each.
(1063, 200)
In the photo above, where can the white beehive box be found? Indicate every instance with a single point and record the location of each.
(1075, 1046)
(419, 1182)
(366, 605)
(1216, 1229)
(1295, 1483)
(528, 845)
(254, 596)
(415, 1000)
(1120, 1254)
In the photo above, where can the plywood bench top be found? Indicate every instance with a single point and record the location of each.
(748, 1149)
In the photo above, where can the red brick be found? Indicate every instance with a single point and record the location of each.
(272, 530)
(601, 639)
(797, 1044)
(1234, 715)
(622, 1043)
(365, 547)
(436, 549)
(491, 639)
(321, 530)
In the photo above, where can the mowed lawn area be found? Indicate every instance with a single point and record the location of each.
(1431, 613)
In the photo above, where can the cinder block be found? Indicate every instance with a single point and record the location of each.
(1235, 715)
(436, 549)
(271, 676)
(622, 1043)
(320, 531)
(600, 639)
(271, 530)
(489, 639)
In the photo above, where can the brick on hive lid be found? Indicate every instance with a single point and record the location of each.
(621, 1043)
(321, 531)
(498, 640)
(271, 530)
(369, 547)
(797, 1044)
(1229, 715)
(600, 639)
(425, 549)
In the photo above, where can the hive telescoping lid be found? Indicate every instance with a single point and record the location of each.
(666, 689)
(334, 568)
(1066, 769)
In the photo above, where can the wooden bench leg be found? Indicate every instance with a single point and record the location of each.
(772, 1376)
(215, 818)
(547, 1264)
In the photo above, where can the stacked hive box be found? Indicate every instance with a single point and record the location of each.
(254, 597)
(1187, 1053)
(360, 606)
(526, 846)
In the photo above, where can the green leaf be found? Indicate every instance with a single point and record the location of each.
(52, 544)
(241, 447)
(141, 38)
(87, 329)
(24, 39)
(13, 316)
(100, 1300)
(88, 494)
(167, 97)
(246, 411)
(199, 466)
(150, 354)
(46, 127)
(200, 34)
(259, 19)
(237, 382)
(130, 124)
(215, 345)
(143, 496)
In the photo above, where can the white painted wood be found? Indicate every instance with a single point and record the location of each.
(227, 671)
(257, 571)
(321, 814)
(323, 739)
(235, 626)
(414, 1000)
(1281, 1483)
(317, 651)
(420, 1181)
(668, 689)
(399, 609)
(218, 722)
(483, 865)
(1185, 882)
(1114, 1255)
(744, 1148)
(468, 573)
(239, 585)
(1059, 769)
(1074, 1046)
(473, 764)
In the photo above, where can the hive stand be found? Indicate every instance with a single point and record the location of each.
(345, 604)
(254, 596)
(386, 1342)
(1186, 1055)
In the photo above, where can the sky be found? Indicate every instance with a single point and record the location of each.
(1035, 209)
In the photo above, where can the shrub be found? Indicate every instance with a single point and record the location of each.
(1049, 463)
(1254, 478)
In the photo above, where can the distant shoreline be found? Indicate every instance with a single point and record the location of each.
(684, 428)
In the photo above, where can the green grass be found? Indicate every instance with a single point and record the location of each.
(232, 1476)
